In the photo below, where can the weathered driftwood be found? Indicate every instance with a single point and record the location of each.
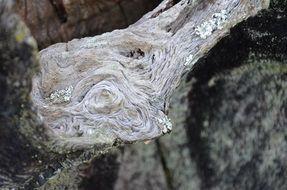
(116, 86)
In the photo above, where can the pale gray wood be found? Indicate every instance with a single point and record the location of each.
(116, 86)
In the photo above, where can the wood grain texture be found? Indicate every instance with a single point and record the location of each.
(116, 86)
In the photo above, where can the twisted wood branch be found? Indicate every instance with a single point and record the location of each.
(116, 86)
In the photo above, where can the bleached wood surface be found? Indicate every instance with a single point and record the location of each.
(116, 86)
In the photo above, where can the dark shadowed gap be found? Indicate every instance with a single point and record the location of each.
(166, 170)
(186, 15)
(60, 10)
(102, 173)
(169, 4)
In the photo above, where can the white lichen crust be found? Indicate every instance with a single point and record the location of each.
(60, 96)
(215, 23)
(166, 124)
(188, 60)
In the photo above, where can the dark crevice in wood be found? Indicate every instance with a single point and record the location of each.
(168, 6)
(60, 10)
(166, 170)
(185, 16)
(136, 54)
(153, 58)
(180, 21)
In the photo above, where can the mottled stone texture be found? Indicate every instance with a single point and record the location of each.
(140, 168)
(237, 123)
(240, 128)
(20, 144)
(52, 21)
(280, 5)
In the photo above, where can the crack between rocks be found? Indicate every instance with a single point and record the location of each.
(166, 170)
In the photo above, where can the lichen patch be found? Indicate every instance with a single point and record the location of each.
(61, 96)
(166, 123)
(217, 22)
(188, 60)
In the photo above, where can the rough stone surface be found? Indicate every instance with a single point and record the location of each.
(20, 150)
(140, 168)
(237, 123)
(104, 171)
(242, 127)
